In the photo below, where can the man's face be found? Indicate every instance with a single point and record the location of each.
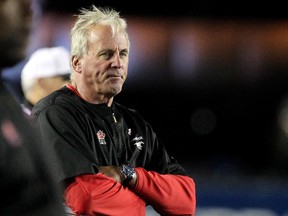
(15, 24)
(102, 72)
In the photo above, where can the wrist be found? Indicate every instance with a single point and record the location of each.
(129, 175)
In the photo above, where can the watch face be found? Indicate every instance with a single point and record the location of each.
(128, 171)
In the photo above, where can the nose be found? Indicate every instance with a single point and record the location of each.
(27, 11)
(116, 60)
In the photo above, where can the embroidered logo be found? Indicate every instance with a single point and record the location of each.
(101, 137)
(138, 142)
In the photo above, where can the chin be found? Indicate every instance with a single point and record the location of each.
(115, 91)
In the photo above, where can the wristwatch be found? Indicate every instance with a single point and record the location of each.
(128, 172)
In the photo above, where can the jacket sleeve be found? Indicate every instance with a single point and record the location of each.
(168, 194)
(97, 194)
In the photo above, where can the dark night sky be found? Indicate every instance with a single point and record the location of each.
(203, 8)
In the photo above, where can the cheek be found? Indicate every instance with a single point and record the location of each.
(126, 73)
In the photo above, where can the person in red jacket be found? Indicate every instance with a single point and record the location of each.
(111, 162)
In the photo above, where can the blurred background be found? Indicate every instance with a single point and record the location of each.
(212, 80)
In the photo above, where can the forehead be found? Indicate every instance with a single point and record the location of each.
(103, 37)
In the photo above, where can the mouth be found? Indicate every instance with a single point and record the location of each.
(114, 77)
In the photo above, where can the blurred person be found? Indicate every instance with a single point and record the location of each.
(47, 69)
(110, 159)
(280, 152)
(27, 183)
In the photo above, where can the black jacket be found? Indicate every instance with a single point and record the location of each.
(28, 185)
(86, 135)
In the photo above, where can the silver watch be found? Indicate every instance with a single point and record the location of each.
(128, 172)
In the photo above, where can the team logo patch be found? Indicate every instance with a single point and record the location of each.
(138, 142)
(101, 137)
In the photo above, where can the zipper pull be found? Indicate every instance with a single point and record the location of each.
(114, 118)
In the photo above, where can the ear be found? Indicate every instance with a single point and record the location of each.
(76, 64)
(41, 82)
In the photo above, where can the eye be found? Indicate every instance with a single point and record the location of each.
(107, 54)
(124, 53)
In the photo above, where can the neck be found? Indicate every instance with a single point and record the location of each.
(93, 101)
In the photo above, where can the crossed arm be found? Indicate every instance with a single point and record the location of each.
(168, 194)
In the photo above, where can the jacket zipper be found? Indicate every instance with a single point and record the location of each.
(114, 118)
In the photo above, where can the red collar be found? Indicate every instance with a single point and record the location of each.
(72, 88)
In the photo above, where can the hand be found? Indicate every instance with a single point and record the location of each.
(115, 173)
